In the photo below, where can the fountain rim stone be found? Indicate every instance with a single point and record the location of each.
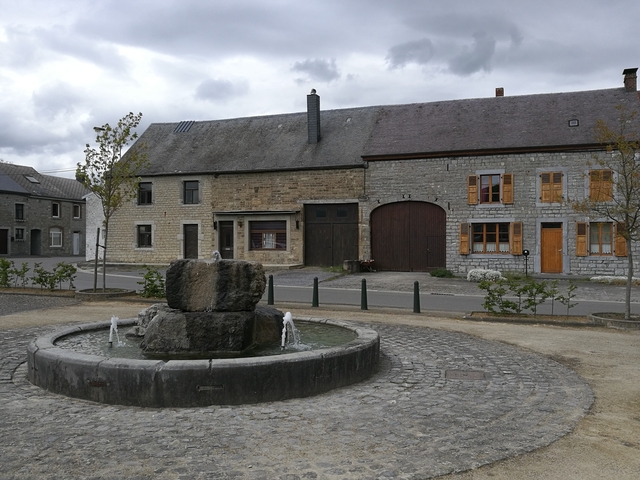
(192, 383)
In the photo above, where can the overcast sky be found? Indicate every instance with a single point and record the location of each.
(69, 65)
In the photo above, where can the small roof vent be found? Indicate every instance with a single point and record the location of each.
(184, 126)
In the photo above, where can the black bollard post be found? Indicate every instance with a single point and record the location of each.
(363, 295)
(270, 291)
(314, 302)
(416, 297)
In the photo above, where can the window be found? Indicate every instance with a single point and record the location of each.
(495, 188)
(268, 235)
(19, 234)
(600, 238)
(191, 192)
(55, 237)
(77, 211)
(145, 190)
(55, 210)
(551, 187)
(491, 238)
(600, 185)
(20, 212)
(489, 188)
(144, 236)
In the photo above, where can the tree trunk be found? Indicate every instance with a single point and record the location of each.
(104, 257)
(627, 299)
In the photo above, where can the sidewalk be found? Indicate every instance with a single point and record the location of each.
(404, 423)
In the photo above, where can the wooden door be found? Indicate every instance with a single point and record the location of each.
(551, 248)
(190, 240)
(330, 234)
(408, 237)
(225, 240)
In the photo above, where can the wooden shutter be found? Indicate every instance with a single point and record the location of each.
(556, 187)
(472, 190)
(516, 238)
(464, 239)
(600, 185)
(621, 242)
(507, 188)
(545, 187)
(581, 239)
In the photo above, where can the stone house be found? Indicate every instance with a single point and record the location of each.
(40, 214)
(458, 184)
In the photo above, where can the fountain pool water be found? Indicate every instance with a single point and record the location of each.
(99, 377)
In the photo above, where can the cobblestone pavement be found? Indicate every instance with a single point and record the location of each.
(441, 402)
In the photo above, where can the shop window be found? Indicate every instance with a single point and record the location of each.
(268, 235)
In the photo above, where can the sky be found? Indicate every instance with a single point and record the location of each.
(67, 66)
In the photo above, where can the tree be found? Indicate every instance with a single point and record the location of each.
(618, 197)
(110, 173)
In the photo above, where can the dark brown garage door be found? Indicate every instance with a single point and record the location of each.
(330, 233)
(408, 237)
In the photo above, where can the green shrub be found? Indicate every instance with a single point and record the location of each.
(5, 270)
(152, 283)
(441, 273)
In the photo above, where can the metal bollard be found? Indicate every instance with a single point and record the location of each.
(416, 297)
(363, 295)
(270, 291)
(314, 302)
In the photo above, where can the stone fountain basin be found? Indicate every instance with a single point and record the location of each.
(194, 383)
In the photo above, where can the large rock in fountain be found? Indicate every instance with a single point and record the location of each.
(211, 310)
(214, 285)
(211, 333)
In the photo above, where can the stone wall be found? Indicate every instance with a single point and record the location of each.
(238, 198)
(443, 181)
(38, 216)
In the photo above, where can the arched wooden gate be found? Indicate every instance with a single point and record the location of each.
(408, 237)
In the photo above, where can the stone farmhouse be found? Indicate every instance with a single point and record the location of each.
(40, 214)
(459, 184)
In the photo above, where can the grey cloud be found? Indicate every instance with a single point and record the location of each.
(55, 99)
(220, 89)
(418, 51)
(318, 69)
(474, 58)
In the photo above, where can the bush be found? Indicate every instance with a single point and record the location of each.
(152, 284)
(479, 274)
(441, 273)
(5, 270)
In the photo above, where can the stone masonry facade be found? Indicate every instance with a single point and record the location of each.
(443, 181)
(31, 234)
(237, 198)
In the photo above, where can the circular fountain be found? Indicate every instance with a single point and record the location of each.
(207, 315)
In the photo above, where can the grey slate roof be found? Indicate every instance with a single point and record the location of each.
(13, 178)
(274, 142)
(279, 142)
(520, 123)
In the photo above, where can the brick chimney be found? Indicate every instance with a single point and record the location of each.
(630, 79)
(499, 92)
(313, 116)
